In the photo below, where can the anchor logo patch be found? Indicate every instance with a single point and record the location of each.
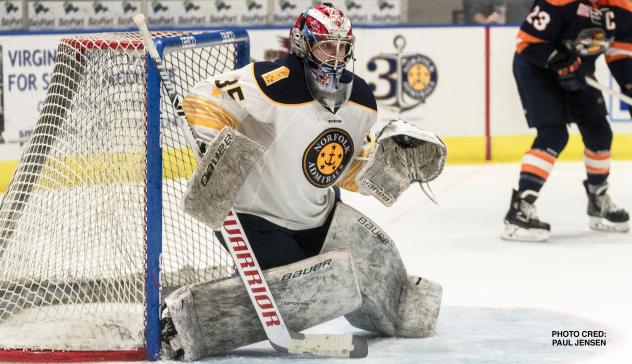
(327, 156)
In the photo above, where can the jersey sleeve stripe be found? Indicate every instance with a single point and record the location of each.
(626, 46)
(623, 4)
(204, 112)
(560, 2)
(619, 50)
(348, 181)
(525, 39)
(214, 121)
(616, 57)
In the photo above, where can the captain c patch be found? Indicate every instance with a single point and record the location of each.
(326, 157)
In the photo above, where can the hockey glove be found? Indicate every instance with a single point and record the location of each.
(404, 155)
(568, 70)
(589, 42)
(406, 141)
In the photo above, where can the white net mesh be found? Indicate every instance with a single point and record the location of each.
(73, 221)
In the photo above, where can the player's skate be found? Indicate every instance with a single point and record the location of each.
(521, 221)
(604, 214)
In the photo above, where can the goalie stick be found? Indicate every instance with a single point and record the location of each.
(280, 336)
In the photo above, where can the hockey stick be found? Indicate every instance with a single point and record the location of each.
(280, 336)
(625, 98)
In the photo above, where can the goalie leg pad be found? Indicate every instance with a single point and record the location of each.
(227, 162)
(381, 272)
(419, 306)
(215, 317)
(389, 305)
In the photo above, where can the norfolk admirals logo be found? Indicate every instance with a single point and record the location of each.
(327, 156)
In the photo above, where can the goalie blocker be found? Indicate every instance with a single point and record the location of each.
(221, 173)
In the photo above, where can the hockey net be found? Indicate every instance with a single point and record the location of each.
(73, 222)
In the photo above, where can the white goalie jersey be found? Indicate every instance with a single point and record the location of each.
(308, 148)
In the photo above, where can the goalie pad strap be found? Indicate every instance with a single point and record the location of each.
(217, 316)
(418, 309)
(228, 160)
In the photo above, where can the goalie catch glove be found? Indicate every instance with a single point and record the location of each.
(403, 155)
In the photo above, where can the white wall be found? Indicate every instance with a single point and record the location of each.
(455, 108)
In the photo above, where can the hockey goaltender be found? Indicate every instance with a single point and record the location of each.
(280, 139)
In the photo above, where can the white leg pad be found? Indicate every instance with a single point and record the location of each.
(383, 281)
(215, 317)
(419, 306)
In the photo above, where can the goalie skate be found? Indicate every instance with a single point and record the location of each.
(604, 214)
(171, 348)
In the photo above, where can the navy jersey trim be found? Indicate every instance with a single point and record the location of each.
(362, 93)
(291, 90)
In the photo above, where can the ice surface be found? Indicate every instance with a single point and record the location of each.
(501, 299)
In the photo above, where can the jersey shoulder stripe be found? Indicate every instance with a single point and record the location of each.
(362, 94)
(623, 4)
(560, 2)
(282, 81)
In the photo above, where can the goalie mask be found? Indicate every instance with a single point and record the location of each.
(323, 39)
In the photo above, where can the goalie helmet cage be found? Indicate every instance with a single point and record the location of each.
(90, 226)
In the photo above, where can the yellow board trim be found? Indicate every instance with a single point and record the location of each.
(180, 163)
(511, 148)
(7, 168)
(75, 171)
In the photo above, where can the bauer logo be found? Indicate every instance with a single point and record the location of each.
(217, 156)
(404, 81)
(374, 230)
(326, 157)
(188, 42)
(377, 191)
(303, 272)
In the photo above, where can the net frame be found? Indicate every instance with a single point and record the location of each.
(155, 99)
